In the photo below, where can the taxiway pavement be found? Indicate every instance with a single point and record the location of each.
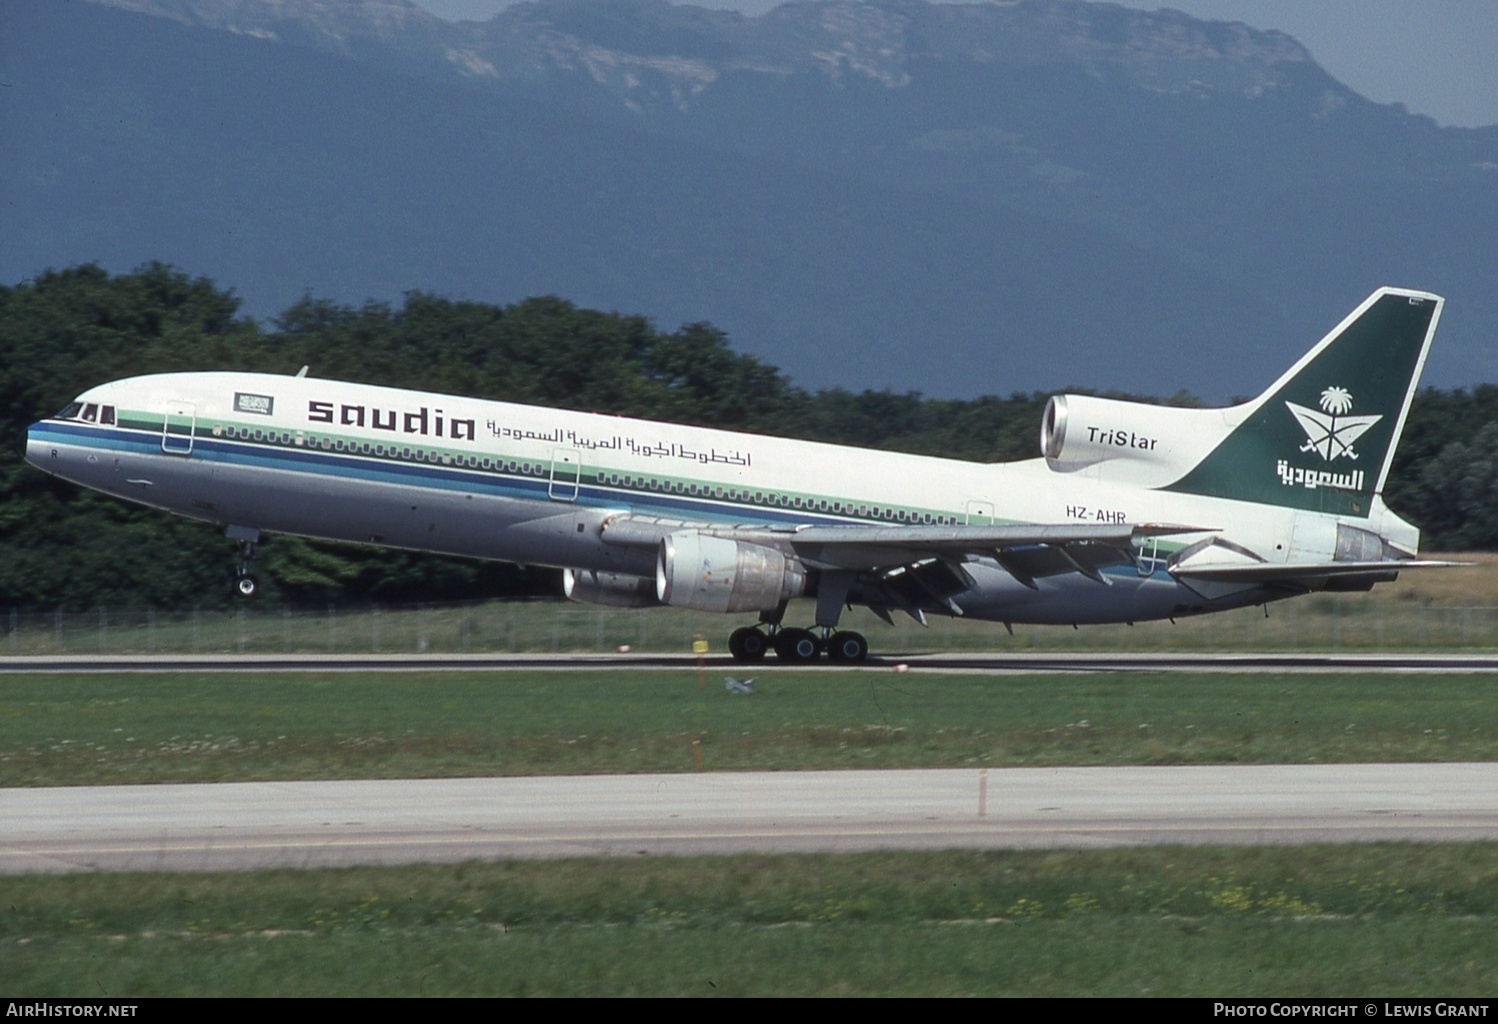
(319, 824)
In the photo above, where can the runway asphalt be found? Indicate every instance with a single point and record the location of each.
(966, 662)
(323, 824)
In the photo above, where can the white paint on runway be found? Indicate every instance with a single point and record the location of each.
(314, 824)
(987, 663)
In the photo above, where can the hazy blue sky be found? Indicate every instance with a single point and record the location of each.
(1437, 57)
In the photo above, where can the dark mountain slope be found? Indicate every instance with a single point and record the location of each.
(954, 199)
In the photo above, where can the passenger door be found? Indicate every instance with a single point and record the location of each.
(566, 471)
(178, 428)
(980, 513)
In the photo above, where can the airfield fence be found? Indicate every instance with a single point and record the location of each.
(1317, 623)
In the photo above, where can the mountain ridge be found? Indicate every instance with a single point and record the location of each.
(698, 45)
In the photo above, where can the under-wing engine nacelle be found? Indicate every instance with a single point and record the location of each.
(614, 589)
(1082, 430)
(715, 574)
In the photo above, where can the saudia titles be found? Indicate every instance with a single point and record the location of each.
(425, 422)
(1330, 433)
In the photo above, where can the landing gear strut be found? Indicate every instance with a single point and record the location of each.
(247, 538)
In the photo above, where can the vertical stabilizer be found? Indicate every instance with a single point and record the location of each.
(1322, 437)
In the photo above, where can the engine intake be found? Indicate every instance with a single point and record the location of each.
(715, 574)
(1081, 430)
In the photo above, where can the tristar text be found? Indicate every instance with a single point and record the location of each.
(1121, 438)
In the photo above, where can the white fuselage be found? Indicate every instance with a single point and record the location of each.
(526, 484)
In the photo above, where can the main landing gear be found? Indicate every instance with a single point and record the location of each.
(804, 646)
(798, 646)
(247, 538)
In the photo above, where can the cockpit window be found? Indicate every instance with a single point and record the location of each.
(69, 411)
(106, 415)
(90, 412)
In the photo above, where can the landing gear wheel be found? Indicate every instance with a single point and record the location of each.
(244, 583)
(748, 644)
(847, 648)
(797, 645)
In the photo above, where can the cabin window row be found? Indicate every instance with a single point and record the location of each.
(377, 449)
(775, 499)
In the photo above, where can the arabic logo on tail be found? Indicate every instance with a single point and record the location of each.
(1331, 432)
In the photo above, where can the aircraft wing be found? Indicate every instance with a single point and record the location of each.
(1027, 551)
(876, 547)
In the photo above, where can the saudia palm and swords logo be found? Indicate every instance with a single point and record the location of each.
(1331, 434)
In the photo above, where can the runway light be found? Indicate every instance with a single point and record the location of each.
(902, 667)
(624, 648)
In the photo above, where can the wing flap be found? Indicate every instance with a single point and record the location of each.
(1079, 546)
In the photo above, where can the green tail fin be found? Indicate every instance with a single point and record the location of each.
(1322, 437)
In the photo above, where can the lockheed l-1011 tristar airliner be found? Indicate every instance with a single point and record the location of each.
(1133, 512)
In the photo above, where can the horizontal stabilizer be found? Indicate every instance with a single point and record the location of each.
(1279, 572)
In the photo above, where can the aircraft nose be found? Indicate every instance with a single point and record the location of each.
(30, 447)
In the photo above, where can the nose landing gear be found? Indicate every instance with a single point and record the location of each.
(247, 538)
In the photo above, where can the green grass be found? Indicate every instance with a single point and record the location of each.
(1393, 920)
(1388, 919)
(212, 727)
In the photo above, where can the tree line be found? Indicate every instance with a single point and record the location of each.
(65, 330)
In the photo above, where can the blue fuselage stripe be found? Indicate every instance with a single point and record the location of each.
(448, 478)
